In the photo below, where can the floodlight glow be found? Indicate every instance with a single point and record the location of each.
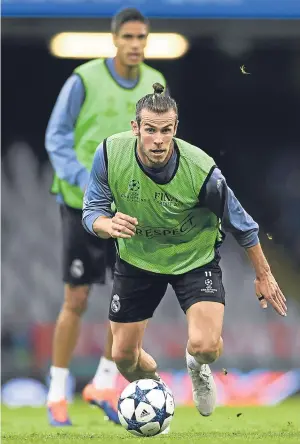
(88, 45)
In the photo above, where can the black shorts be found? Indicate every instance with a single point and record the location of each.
(137, 293)
(85, 257)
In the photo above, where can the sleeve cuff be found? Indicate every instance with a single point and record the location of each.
(89, 220)
(247, 240)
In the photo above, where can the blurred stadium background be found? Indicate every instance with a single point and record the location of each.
(248, 123)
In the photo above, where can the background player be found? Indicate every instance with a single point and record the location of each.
(96, 101)
(171, 199)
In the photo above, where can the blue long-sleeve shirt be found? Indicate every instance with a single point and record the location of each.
(59, 140)
(216, 196)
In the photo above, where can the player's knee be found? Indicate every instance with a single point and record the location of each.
(207, 349)
(125, 358)
(76, 298)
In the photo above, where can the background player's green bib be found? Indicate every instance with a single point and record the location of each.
(108, 109)
(175, 234)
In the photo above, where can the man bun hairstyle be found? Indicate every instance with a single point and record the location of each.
(127, 15)
(158, 103)
(158, 88)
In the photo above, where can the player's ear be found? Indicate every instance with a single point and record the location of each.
(135, 127)
(175, 128)
(114, 37)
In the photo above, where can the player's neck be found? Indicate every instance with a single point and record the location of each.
(127, 72)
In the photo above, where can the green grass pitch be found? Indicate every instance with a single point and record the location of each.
(265, 425)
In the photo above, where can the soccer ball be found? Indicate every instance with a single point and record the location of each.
(146, 407)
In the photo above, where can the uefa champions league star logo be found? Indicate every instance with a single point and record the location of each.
(209, 286)
(115, 304)
(134, 185)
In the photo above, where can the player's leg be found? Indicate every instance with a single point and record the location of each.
(136, 294)
(201, 296)
(77, 274)
(132, 361)
(104, 383)
(64, 342)
(205, 320)
(106, 374)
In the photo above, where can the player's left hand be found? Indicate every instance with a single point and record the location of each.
(268, 291)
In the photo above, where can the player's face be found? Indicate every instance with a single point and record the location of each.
(155, 137)
(130, 42)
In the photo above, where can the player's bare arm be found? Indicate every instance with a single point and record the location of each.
(266, 287)
(119, 226)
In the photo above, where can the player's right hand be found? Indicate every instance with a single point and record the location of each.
(123, 226)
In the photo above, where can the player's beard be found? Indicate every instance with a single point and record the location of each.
(152, 162)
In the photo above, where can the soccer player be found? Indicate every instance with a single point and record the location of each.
(96, 101)
(172, 202)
